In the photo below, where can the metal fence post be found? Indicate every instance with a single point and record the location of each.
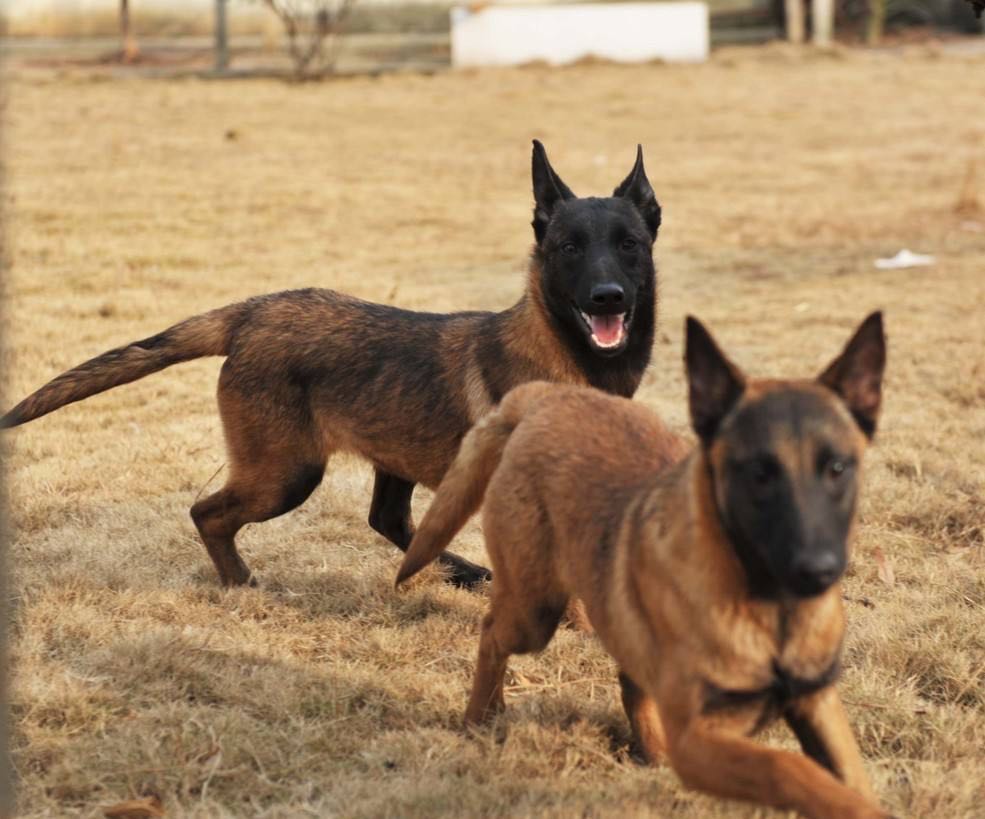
(221, 38)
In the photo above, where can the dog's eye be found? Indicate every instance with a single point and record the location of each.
(836, 469)
(629, 243)
(762, 472)
(569, 248)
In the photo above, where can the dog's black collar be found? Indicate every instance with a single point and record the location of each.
(783, 690)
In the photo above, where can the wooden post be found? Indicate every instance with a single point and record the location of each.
(221, 38)
(794, 13)
(130, 50)
(877, 19)
(822, 12)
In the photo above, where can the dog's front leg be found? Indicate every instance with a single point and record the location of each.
(708, 759)
(644, 719)
(389, 514)
(822, 728)
(389, 511)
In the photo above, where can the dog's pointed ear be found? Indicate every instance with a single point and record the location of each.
(715, 384)
(636, 188)
(548, 191)
(856, 375)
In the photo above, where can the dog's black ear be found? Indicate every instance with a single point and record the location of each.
(548, 191)
(636, 188)
(856, 375)
(715, 384)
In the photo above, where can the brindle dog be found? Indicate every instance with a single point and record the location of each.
(309, 373)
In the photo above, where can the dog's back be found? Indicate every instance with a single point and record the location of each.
(577, 458)
(538, 465)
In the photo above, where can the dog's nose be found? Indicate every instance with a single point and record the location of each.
(813, 573)
(607, 295)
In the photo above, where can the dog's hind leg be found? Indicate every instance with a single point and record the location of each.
(525, 608)
(528, 598)
(486, 699)
(389, 514)
(514, 625)
(217, 520)
(251, 496)
(648, 730)
(275, 464)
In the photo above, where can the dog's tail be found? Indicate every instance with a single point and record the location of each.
(203, 335)
(462, 489)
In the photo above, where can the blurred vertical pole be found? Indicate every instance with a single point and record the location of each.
(877, 17)
(6, 771)
(221, 38)
(794, 12)
(129, 50)
(822, 16)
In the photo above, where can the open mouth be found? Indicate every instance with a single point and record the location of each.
(606, 334)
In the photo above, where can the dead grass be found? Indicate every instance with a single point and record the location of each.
(323, 692)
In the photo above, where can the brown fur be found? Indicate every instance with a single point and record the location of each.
(309, 373)
(312, 372)
(590, 496)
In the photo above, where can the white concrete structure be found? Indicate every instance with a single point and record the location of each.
(557, 34)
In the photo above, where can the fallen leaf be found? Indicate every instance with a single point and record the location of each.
(885, 568)
(146, 806)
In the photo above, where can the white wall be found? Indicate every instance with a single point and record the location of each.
(626, 32)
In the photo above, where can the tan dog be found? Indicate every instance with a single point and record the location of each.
(711, 577)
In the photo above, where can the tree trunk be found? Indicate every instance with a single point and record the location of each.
(794, 13)
(877, 21)
(822, 13)
(221, 37)
(130, 49)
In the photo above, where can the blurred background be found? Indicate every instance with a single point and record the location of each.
(311, 37)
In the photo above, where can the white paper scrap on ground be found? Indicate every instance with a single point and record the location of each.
(905, 258)
(623, 32)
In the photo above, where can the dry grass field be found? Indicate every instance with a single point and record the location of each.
(132, 204)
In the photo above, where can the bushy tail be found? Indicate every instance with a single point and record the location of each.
(207, 334)
(461, 491)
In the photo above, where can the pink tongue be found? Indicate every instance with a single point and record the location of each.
(607, 329)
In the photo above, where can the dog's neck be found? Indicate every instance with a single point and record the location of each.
(567, 350)
(528, 336)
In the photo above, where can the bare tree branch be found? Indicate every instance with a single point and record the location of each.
(310, 25)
